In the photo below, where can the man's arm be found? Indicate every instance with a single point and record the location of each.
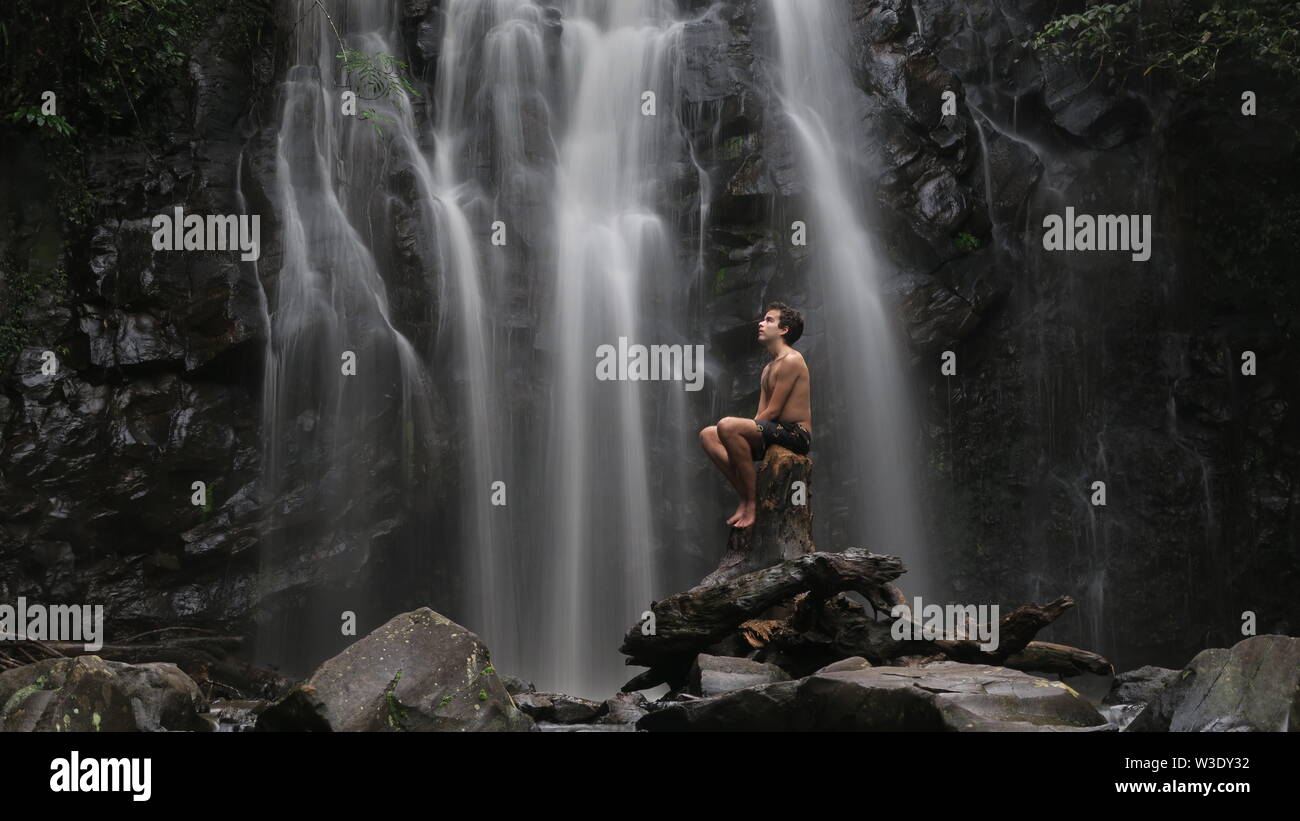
(762, 393)
(784, 375)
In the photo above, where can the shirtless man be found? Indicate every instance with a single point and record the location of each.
(784, 412)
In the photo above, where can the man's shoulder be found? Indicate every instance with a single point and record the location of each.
(795, 360)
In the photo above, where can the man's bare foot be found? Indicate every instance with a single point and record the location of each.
(747, 511)
(740, 508)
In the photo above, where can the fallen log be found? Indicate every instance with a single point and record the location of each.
(1015, 631)
(1046, 657)
(687, 623)
(825, 631)
(822, 632)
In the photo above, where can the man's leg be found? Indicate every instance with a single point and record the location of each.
(740, 436)
(718, 453)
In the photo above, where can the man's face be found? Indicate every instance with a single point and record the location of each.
(769, 326)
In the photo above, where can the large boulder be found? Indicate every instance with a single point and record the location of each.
(947, 696)
(419, 672)
(1253, 687)
(88, 694)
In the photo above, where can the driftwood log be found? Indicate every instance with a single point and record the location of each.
(1015, 630)
(796, 615)
(782, 529)
(687, 623)
(820, 633)
(1065, 661)
(825, 631)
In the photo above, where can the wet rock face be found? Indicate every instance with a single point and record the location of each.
(88, 694)
(420, 672)
(158, 373)
(159, 379)
(947, 696)
(1252, 687)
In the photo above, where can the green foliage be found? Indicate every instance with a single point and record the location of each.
(396, 710)
(1185, 39)
(100, 57)
(1251, 253)
(372, 77)
(376, 77)
(32, 114)
(20, 286)
(72, 198)
(967, 242)
(103, 60)
(732, 148)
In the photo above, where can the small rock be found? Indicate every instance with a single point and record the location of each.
(515, 685)
(713, 675)
(624, 708)
(845, 665)
(1139, 686)
(559, 708)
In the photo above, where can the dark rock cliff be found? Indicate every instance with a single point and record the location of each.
(159, 366)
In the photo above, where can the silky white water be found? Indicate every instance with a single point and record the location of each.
(875, 432)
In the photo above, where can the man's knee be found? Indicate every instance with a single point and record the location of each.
(709, 435)
(734, 426)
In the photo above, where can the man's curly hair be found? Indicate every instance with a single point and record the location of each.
(791, 320)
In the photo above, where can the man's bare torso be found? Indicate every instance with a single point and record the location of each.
(797, 405)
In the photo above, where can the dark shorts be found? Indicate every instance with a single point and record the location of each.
(790, 435)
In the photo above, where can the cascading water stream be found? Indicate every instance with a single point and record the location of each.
(613, 253)
(329, 299)
(551, 579)
(817, 96)
(458, 216)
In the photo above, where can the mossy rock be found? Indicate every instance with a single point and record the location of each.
(419, 672)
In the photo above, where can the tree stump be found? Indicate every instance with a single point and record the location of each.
(782, 529)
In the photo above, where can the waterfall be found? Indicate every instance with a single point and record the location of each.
(532, 188)
(871, 433)
(614, 260)
(460, 212)
(328, 301)
(558, 157)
